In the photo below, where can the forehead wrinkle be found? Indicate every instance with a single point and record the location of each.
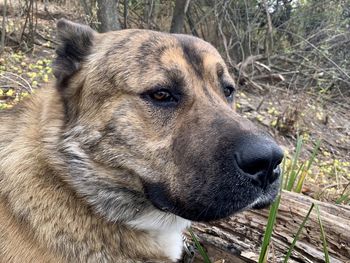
(219, 70)
(195, 50)
(173, 58)
(212, 84)
(193, 57)
(213, 64)
(174, 75)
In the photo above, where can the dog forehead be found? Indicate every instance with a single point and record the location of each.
(153, 47)
(184, 52)
(143, 58)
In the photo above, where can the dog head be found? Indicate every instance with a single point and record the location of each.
(150, 127)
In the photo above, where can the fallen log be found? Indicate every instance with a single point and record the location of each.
(238, 239)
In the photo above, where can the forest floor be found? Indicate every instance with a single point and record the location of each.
(281, 112)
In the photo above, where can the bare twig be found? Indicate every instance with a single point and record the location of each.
(320, 52)
(27, 87)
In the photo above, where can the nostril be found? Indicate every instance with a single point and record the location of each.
(276, 172)
(277, 157)
(259, 159)
(251, 164)
(276, 165)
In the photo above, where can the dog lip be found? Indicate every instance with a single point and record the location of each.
(260, 206)
(164, 209)
(267, 198)
(264, 203)
(157, 195)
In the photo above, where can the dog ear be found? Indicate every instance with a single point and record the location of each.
(75, 42)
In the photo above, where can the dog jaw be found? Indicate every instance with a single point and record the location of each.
(165, 229)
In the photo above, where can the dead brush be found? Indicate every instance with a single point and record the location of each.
(288, 120)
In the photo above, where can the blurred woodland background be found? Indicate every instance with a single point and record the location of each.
(291, 61)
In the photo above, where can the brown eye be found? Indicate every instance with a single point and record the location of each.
(161, 95)
(228, 91)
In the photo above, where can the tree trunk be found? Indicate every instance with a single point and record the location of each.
(107, 15)
(3, 26)
(238, 239)
(87, 8)
(177, 22)
(147, 12)
(269, 36)
(191, 23)
(126, 4)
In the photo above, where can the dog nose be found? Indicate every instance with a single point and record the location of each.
(259, 158)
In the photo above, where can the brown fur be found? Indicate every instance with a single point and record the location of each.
(89, 169)
(42, 220)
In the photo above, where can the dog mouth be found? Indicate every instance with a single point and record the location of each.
(265, 200)
(215, 202)
(268, 188)
(262, 204)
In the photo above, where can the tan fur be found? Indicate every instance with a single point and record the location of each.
(92, 169)
(42, 220)
(37, 207)
(14, 237)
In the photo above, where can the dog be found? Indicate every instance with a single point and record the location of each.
(137, 138)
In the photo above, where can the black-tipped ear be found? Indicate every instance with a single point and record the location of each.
(75, 42)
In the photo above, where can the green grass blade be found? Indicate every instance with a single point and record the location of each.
(313, 155)
(300, 183)
(284, 173)
(343, 198)
(268, 230)
(292, 175)
(200, 248)
(297, 234)
(300, 179)
(271, 221)
(323, 235)
(303, 171)
(297, 152)
(291, 180)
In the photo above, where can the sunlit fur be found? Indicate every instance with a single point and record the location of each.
(92, 170)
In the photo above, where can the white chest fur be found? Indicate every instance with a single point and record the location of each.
(165, 229)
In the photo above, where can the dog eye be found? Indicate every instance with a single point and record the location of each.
(229, 91)
(162, 96)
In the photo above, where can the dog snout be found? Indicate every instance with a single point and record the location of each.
(258, 157)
